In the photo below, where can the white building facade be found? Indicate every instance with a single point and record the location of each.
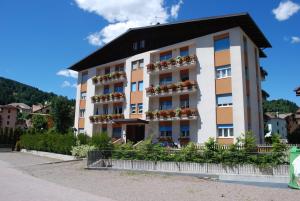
(190, 90)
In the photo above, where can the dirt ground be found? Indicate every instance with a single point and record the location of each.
(138, 186)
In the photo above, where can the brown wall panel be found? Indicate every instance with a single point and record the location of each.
(223, 86)
(81, 123)
(137, 75)
(82, 104)
(135, 116)
(224, 115)
(222, 58)
(136, 97)
(225, 141)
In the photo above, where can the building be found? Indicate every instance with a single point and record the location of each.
(8, 116)
(277, 124)
(297, 90)
(22, 107)
(180, 82)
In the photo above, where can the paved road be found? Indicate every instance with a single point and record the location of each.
(18, 186)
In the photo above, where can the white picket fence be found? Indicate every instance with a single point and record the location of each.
(191, 168)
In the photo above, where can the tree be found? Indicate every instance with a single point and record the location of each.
(39, 122)
(280, 105)
(62, 111)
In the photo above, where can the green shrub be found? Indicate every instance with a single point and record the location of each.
(81, 150)
(103, 143)
(83, 138)
(49, 142)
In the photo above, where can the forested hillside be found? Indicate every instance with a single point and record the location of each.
(13, 91)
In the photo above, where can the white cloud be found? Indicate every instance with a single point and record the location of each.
(124, 14)
(285, 10)
(68, 84)
(295, 39)
(175, 9)
(67, 73)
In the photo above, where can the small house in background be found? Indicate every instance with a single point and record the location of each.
(22, 107)
(8, 116)
(277, 124)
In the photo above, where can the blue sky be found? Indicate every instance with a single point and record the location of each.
(40, 38)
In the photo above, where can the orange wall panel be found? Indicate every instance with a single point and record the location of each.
(224, 115)
(137, 75)
(222, 58)
(135, 116)
(81, 123)
(82, 104)
(136, 97)
(223, 86)
(225, 141)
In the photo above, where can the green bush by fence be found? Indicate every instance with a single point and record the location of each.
(49, 142)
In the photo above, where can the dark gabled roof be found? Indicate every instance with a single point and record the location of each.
(162, 35)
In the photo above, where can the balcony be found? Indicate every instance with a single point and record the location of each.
(186, 87)
(172, 115)
(109, 78)
(105, 118)
(173, 64)
(108, 98)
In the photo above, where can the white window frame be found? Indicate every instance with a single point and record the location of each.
(82, 113)
(228, 130)
(225, 104)
(224, 70)
(140, 108)
(132, 108)
(81, 95)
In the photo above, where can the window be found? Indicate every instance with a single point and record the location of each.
(7, 123)
(80, 130)
(141, 85)
(133, 86)
(165, 130)
(118, 109)
(184, 75)
(97, 111)
(247, 73)
(81, 113)
(106, 90)
(117, 132)
(140, 108)
(184, 51)
(8, 111)
(142, 44)
(83, 95)
(184, 101)
(221, 44)
(184, 130)
(223, 72)
(133, 109)
(84, 77)
(105, 109)
(119, 88)
(119, 68)
(165, 79)
(165, 56)
(165, 105)
(107, 70)
(137, 64)
(225, 130)
(8, 117)
(135, 46)
(224, 100)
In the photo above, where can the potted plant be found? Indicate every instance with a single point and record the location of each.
(172, 113)
(163, 114)
(158, 89)
(158, 65)
(150, 90)
(100, 78)
(103, 97)
(149, 115)
(187, 59)
(179, 60)
(172, 87)
(184, 140)
(172, 61)
(178, 112)
(187, 84)
(95, 80)
(164, 64)
(92, 119)
(150, 67)
(94, 99)
(181, 85)
(186, 112)
(164, 88)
